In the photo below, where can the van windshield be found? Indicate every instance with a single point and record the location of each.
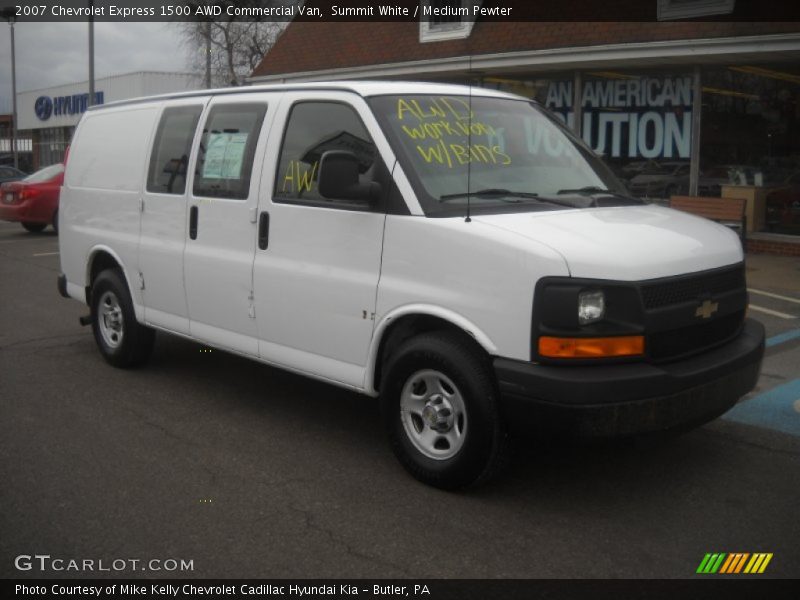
(501, 155)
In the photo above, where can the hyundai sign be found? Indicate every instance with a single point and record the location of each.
(47, 106)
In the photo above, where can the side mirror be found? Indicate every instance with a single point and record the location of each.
(338, 178)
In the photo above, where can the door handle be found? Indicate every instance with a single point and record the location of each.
(193, 223)
(263, 230)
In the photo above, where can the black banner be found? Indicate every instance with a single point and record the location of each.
(315, 589)
(394, 10)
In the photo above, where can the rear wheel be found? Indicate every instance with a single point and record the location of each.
(440, 411)
(122, 341)
(55, 221)
(34, 227)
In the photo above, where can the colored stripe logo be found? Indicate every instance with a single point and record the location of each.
(734, 563)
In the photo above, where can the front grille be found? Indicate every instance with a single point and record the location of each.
(692, 288)
(677, 343)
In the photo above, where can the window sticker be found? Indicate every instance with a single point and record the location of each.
(224, 155)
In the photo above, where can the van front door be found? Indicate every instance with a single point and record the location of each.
(318, 259)
(221, 223)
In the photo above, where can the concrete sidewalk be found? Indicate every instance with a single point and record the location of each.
(773, 273)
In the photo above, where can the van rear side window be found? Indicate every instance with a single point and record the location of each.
(170, 156)
(225, 158)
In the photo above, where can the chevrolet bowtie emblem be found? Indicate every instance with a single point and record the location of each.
(706, 309)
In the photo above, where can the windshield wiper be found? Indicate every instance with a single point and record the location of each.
(490, 193)
(590, 189)
(509, 196)
(616, 199)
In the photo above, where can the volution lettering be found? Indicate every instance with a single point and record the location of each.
(647, 135)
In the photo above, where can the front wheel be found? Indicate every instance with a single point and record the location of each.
(440, 411)
(122, 341)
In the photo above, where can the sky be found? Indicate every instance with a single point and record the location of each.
(50, 54)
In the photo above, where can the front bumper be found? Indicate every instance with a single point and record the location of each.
(628, 399)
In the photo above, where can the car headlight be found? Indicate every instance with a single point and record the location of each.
(591, 307)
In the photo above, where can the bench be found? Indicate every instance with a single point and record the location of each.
(727, 211)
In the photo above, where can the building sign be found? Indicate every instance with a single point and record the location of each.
(47, 106)
(648, 117)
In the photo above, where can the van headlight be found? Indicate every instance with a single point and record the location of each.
(591, 307)
(577, 319)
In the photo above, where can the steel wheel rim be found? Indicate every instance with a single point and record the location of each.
(433, 414)
(110, 320)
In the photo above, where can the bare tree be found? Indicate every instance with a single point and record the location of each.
(231, 46)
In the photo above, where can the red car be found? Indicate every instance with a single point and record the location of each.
(33, 201)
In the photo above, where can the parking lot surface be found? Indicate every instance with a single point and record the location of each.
(248, 471)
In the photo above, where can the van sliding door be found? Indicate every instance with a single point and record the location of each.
(221, 222)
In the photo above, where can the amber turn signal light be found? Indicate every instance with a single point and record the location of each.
(553, 347)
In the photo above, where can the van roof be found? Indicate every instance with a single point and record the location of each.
(362, 88)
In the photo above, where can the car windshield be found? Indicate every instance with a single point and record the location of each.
(498, 154)
(45, 174)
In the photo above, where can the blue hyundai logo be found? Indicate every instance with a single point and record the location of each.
(43, 107)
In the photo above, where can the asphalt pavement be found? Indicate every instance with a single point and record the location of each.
(242, 470)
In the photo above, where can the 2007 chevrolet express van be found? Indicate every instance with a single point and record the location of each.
(455, 251)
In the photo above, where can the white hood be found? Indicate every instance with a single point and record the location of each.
(626, 243)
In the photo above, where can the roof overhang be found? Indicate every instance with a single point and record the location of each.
(705, 51)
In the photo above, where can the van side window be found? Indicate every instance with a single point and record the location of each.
(315, 128)
(170, 155)
(225, 159)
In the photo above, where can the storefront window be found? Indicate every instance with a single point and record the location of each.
(50, 144)
(641, 123)
(751, 140)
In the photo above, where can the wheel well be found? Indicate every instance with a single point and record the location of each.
(409, 326)
(100, 262)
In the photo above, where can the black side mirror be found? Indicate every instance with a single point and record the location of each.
(338, 178)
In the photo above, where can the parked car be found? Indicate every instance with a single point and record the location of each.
(33, 201)
(666, 179)
(413, 243)
(634, 168)
(9, 173)
(659, 180)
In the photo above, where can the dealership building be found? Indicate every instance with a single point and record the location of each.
(675, 105)
(48, 116)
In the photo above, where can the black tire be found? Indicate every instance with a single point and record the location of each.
(54, 222)
(34, 227)
(122, 341)
(448, 362)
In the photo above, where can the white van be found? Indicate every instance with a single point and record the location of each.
(454, 251)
